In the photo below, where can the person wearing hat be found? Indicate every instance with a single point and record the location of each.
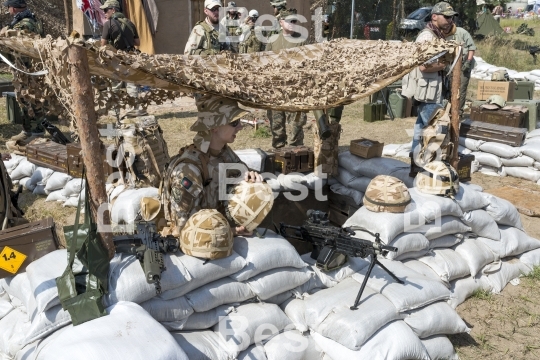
(249, 42)
(278, 6)
(430, 98)
(192, 179)
(24, 20)
(118, 30)
(204, 38)
(230, 23)
(286, 39)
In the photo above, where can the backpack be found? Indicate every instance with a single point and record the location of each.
(10, 214)
(123, 23)
(435, 138)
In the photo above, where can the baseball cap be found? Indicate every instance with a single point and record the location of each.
(110, 4)
(444, 8)
(231, 4)
(290, 14)
(210, 4)
(15, 3)
(253, 13)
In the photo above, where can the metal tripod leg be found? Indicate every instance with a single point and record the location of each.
(390, 112)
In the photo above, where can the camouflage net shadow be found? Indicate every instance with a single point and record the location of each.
(316, 76)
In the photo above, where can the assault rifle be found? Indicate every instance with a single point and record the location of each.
(534, 50)
(56, 134)
(147, 246)
(329, 241)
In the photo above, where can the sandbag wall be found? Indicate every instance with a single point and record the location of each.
(483, 71)
(355, 174)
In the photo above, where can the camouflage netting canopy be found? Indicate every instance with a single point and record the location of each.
(316, 76)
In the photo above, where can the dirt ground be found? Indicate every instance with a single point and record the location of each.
(504, 326)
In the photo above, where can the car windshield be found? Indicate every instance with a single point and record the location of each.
(419, 14)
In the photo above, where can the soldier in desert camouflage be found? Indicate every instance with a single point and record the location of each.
(204, 38)
(192, 180)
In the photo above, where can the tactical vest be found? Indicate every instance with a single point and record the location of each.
(435, 143)
(30, 24)
(124, 24)
(212, 37)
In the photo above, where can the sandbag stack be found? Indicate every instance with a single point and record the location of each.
(483, 71)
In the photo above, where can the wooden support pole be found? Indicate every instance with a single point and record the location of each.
(85, 115)
(454, 112)
(66, 14)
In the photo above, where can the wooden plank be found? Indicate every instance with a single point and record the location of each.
(526, 201)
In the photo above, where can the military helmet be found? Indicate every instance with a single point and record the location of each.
(215, 111)
(110, 4)
(279, 3)
(496, 100)
(250, 203)
(500, 75)
(386, 194)
(438, 178)
(207, 235)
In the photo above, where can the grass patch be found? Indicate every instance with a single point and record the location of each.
(534, 274)
(482, 295)
(262, 132)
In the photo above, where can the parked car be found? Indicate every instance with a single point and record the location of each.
(415, 22)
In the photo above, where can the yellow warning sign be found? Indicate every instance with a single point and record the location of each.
(11, 260)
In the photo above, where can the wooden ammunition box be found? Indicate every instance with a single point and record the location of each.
(500, 117)
(20, 245)
(361, 147)
(512, 136)
(47, 154)
(109, 157)
(293, 159)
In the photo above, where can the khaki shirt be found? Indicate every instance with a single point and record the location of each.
(249, 43)
(203, 40)
(463, 37)
(188, 191)
(279, 42)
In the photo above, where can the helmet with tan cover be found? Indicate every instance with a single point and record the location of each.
(387, 194)
(250, 203)
(207, 235)
(500, 75)
(496, 100)
(438, 178)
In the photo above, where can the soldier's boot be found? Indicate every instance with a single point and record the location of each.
(326, 151)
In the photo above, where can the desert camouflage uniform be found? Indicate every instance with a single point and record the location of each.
(204, 40)
(249, 43)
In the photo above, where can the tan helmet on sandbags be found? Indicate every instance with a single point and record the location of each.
(500, 75)
(387, 194)
(438, 178)
(250, 203)
(207, 234)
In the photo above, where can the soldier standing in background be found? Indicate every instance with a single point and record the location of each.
(463, 37)
(24, 20)
(204, 38)
(286, 39)
(231, 15)
(249, 43)
(278, 5)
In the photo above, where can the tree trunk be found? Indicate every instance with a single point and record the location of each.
(66, 13)
(454, 112)
(85, 115)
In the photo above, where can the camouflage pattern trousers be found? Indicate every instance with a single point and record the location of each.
(280, 121)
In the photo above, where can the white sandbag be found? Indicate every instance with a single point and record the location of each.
(466, 287)
(503, 211)
(391, 149)
(254, 352)
(73, 187)
(128, 204)
(510, 269)
(530, 134)
(219, 292)
(439, 348)
(445, 241)
(406, 243)
(202, 345)
(127, 281)
(40, 190)
(5, 305)
(520, 161)
(448, 264)
(265, 254)
(57, 181)
(463, 150)
(25, 182)
(417, 290)
(341, 323)
(13, 328)
(422, 268)
(435, 319)
(313, 285)
(492, 171)
(283, 297)
(402, 174)
(42, 274)
(536, 165)
(412, 255)
(292, 345)
(369, 167)
(276, 281)
(513, 242)
(251, 323)
(470, 144)
(487, 159)
(443, 226)
(476, 254)
(344, 176)
(394, 341)
(295, 311)
(125, 328)
(531, 258)
(201, 272)
(470, 199)
(24, 169)
(388, 225)
(433, 207)
(168, 310)
(45, 323)
(333, 277)
(199, 321)
(500, 150)
(523, 173)
(56, 196)
(530, 149)
(41, 175)
(482, 224)
(352, 181)
(356, 195)
(72, 201)
(18, 287)
(13, 161)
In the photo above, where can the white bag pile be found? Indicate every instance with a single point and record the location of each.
(483, 71)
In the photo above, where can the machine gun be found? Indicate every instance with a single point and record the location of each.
(55, 133)
(329, 241)
(147, 246)
(534, 50)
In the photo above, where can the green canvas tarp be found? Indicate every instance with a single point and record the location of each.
(487, 26)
